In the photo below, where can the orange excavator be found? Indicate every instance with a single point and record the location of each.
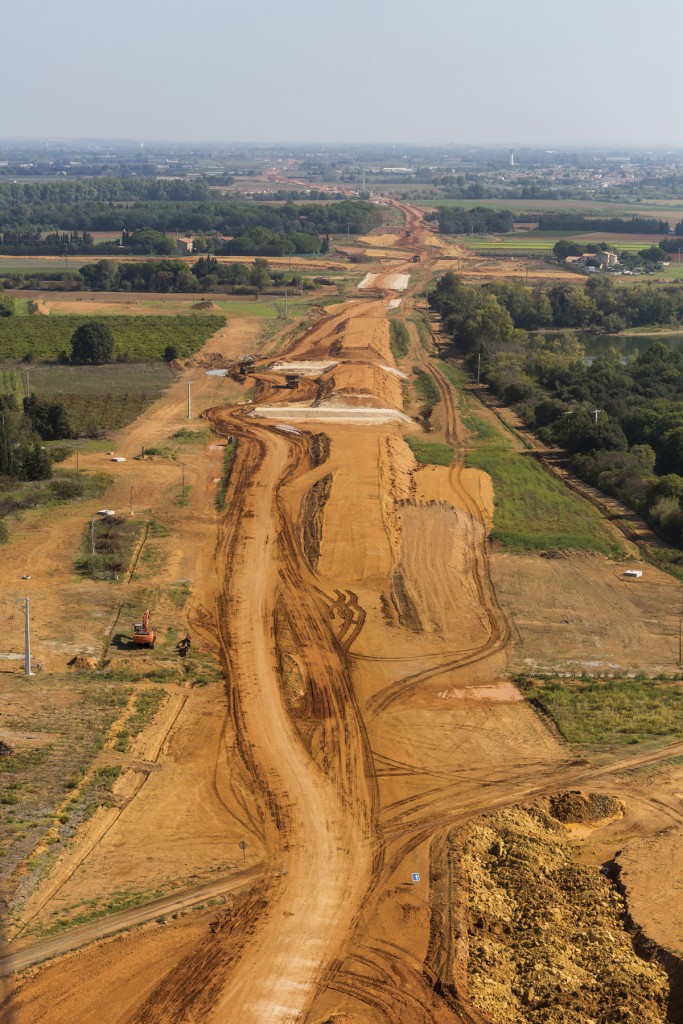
(143, 634)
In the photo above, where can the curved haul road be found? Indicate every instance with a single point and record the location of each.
(319, 811)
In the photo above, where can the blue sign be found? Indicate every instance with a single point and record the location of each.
(415, 876)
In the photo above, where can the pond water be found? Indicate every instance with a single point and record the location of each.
(625, 344)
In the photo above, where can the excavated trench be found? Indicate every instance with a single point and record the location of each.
(311, 517)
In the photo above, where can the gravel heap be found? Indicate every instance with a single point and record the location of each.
(547, 944)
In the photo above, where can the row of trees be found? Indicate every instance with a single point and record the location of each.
(102, 190)
(616, 225)
(225, 218)
(622, 422)
(600, 305)
(207, 274)
(453, 220)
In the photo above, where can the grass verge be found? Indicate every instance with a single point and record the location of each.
(430, 453)
(534, 511)
(610, 712)
(147, 703)
(399, 339)
(423, 332)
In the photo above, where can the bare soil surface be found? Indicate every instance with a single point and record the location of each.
(366, 634)
(578, 613)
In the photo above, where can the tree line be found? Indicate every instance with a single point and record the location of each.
(101, 190)
(225, 218)
(622, 422)
(206, 274)
(616, 225)
(601, 305)
(453, 220)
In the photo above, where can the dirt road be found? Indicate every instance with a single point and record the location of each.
(113, 923)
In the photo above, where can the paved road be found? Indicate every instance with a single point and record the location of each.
(56, 945)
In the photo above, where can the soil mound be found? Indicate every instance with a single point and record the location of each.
(546, 941)
(82, 662)
(574, 807)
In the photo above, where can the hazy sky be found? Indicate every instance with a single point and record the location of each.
(454, 71)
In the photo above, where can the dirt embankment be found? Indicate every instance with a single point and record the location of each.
(531, 936)
(311, 518)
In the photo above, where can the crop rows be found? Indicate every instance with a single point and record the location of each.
(137, 338)
(96, 415)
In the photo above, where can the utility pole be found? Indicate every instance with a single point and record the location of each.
(27, 638)
(286, 313)
(595, 414)
(478, 365)
(189, 400)
(77, 460)
(28, 383)
(92, 536)
(131, 501)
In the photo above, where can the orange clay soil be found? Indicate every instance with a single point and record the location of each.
(367, 708)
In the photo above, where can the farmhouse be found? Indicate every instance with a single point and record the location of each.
(184, 246)
(592, 259)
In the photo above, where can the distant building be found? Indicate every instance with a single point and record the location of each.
(607, 259)
(184, 246)
(590, 259)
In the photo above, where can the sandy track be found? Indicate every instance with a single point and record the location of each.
(318, 817)
(113, 923)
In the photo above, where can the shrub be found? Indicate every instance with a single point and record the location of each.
(92, 343)
(66, 488)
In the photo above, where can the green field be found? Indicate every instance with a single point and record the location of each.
(533, 510)
(532, 242)
(138, 339)
(112, 379)
(610, 712)
(98, 399)
(666, 209)
(96, 414)
(267, 306)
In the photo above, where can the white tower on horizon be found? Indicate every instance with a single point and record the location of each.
(512, 158)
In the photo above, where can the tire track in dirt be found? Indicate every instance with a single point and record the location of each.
(500, 633)
(318, 809)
